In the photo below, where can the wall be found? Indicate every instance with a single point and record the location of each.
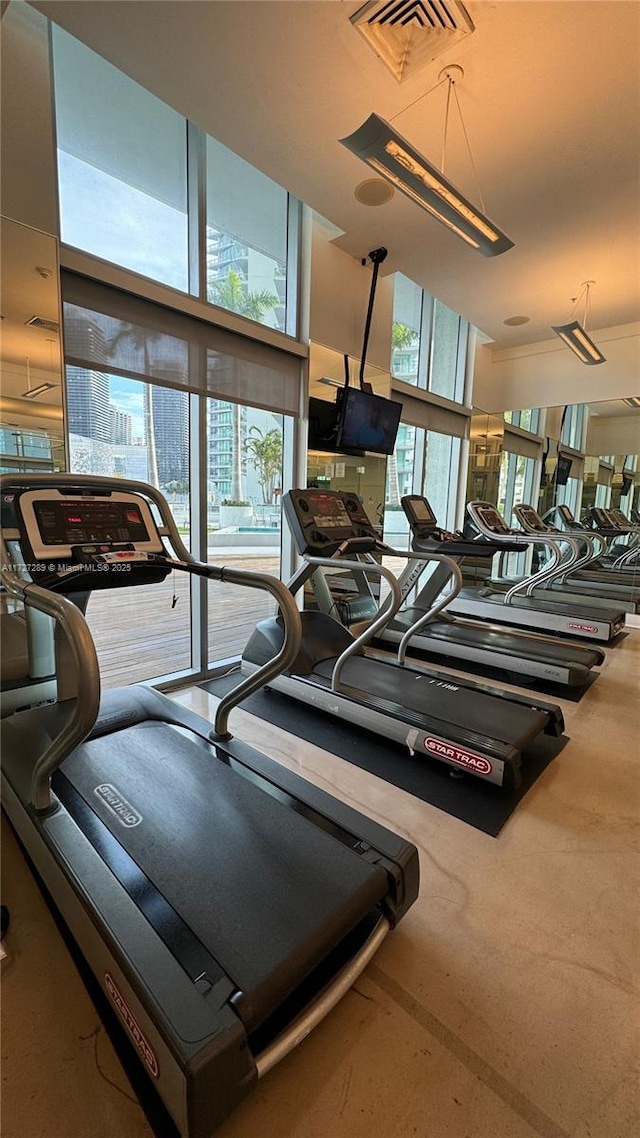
(545, 374)
(617, 434)
(340, 288)
(28, 184)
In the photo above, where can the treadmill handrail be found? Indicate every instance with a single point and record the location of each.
(383, 616)
(576, 560)
(442, 600)
(323, 1003)
(249, 578)
(527, 584)
(85, 711)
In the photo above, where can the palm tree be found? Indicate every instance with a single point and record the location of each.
(231, 293)
(266, 449)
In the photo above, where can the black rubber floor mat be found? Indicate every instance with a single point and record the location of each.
(482, 805)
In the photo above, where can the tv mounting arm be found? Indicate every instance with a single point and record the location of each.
(377, 256)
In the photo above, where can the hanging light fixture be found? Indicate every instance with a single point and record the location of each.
(33, 392)
(378, 144)
(575, 334)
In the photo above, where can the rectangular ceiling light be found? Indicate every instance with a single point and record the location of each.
(632, 401)
(34, 392)
(395, 159)
(576, 338)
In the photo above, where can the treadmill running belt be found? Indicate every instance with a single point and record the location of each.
(476, 711)
(242, 878)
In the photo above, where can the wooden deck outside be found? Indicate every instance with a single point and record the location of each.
(138, 635)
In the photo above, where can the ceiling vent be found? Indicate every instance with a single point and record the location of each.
(40, 322)
(409, 34)
(633, 401)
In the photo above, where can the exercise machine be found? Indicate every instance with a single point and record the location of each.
(568, 581)
(516, 652)
(223, 903)
(466, 726)
(513, 602)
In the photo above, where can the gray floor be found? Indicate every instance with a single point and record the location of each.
(504, 1006)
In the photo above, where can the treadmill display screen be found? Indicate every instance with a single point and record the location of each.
(329, 513)
(532, 519)
(492, 520)
(95, 520)
(421, 511)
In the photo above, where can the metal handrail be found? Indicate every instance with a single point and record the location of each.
(379, 622)
(441, 602)
(85, 711)
(76, 629)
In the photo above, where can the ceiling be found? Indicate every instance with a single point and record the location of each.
(551, 106)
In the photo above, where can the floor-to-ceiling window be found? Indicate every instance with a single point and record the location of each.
(245, 447)
(161, 392)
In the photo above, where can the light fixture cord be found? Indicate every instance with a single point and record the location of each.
(446, 124)
(466, 138)
(412, 104)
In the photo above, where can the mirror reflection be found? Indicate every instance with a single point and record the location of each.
(32, 436)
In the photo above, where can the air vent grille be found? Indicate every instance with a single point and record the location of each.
(409, 34)
(41, 322)
(632, 401)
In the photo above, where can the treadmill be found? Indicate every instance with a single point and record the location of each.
(574, 578)
(515, 604)
(611, 524)
(614, 579)
(608, 564)
(466, 726)
(516, 652)
(223, 903)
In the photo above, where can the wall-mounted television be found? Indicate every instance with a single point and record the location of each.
(563, 469)
(627, 482)
(367, 422)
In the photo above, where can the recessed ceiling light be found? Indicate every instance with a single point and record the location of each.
(512, 321)
(373, 191)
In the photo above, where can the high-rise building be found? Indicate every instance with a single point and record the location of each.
(88, 405)
(170, 410)
(121, 427)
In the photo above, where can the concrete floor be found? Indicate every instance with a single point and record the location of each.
(504, 1006)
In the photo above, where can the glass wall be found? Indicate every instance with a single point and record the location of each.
(406, 329)
(244, 485)
(527, 420)
(448, 347)
(122, 166)
(123, 428)
(423, 462)
(429, 342)
(123, 157)
(148, 387)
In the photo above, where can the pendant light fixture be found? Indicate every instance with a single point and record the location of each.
(378, 144)
(575, 334)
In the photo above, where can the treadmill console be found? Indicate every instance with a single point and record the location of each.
(619, 519)
(420, 516)
(489, 518)
(601, 519)
(323, 520)
(529, 519)
(90, 540)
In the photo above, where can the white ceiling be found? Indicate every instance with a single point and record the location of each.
(551, 105)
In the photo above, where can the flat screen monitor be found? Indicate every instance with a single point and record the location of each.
(368, 422)
(563, 469)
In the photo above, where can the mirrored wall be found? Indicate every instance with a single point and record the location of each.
(32, 435)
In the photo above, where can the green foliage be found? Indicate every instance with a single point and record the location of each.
(402, 336)
(235, 502)
(231, 293)
(265, 447)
